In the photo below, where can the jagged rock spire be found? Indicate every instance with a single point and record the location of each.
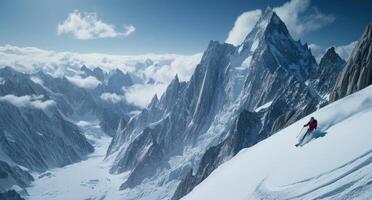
(357, 73)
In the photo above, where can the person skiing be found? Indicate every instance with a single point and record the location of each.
(312, 125)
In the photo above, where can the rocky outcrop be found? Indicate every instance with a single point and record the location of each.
(244, 134)
(357, 73)
(10, 195)
(330, 66)
(13, 175)
(32, 135)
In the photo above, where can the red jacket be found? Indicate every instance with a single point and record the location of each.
(312, 124)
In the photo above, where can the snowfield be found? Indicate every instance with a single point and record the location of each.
(88, 179)
(335, 162)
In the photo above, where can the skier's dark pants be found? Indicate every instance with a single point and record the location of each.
(307, 132)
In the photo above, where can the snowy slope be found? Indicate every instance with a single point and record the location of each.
(334, 164)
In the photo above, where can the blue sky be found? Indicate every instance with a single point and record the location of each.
(163, 26)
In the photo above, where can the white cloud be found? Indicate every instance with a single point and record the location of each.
(346, 50)
(86, 26)
(242, 26)
(317, 51)
(183, 66)
(141, 94)
(298, 15)
(112, 97)
(89, 82)
(129, 29)
(32, 101)
(302, 18)
(31, 59)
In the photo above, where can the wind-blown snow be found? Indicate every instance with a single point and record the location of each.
(334, 164)
(88, 179)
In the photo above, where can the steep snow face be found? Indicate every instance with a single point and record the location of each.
(197, 125)
(357, 73)
(335, 163)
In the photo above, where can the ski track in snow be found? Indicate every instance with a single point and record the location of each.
(88, 179)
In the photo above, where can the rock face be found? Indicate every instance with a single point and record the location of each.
(331, 64)
(33, 131)
(13, 175)
(83, 102)
(10, 195)
(357, 73)
(236, 97)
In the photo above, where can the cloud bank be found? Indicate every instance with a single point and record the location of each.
(84, 26)
(141, 94)
(152, 72)
(112, 97)
(299, 16)
(89, 82)
(30, 101)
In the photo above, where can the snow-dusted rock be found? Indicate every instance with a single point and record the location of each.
(357, 73)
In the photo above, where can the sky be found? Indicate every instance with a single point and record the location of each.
(164, 26)
(155, 40)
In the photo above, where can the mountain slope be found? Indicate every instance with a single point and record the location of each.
(334, 164)
(199, 124)
(357, 73)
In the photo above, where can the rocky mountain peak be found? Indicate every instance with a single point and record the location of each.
(330, 57)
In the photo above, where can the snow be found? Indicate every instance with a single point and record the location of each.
(335, 162)
(264, 106)
(246, 63)
(255, 45)
(88, 179)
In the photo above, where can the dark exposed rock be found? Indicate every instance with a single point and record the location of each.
(10, 195)
(330, 66)
(13, 175)
(357, 73)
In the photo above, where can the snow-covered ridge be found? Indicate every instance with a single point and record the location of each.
(334, 164)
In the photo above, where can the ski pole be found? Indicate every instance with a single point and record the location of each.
(299, 132)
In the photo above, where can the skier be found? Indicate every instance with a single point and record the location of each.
(312, 124)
